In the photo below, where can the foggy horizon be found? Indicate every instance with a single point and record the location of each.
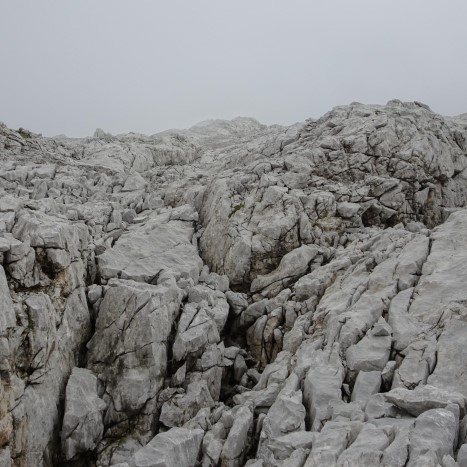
(149, 67)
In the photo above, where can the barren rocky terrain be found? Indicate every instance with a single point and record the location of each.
(237, 294)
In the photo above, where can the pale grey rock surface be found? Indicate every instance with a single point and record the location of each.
(177, 447)
(236, 444)
(159, 245)
(237, 294)
(83, 424)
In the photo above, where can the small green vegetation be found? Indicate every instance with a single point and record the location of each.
(24, 133)
(235, 208)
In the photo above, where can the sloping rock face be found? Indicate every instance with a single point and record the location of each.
(237, 294)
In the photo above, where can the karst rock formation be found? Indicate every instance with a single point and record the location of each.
(237, 294)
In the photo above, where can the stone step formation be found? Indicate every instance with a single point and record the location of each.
(237, 294)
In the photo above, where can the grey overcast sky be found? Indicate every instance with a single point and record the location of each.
(149, 65)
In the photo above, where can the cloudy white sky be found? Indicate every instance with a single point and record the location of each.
(149, 65)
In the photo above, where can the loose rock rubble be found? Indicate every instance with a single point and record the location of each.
(237, 294)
